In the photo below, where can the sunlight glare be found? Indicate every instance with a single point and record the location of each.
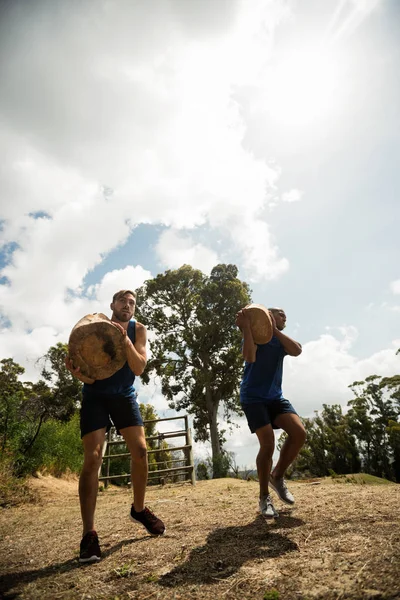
(303, 89)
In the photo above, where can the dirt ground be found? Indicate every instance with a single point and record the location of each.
(340, 542)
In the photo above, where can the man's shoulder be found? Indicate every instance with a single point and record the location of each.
(139, 326)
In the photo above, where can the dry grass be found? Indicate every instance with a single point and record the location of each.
(341, 542)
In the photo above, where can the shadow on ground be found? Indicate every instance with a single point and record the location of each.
(9, 581)
(228, 548)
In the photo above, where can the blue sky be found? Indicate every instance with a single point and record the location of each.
(263, 133)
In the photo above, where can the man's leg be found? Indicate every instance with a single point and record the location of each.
(88, 482)
(266, 438)
(296, 433)
(136, 442)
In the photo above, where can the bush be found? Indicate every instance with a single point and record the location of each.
(57, 449)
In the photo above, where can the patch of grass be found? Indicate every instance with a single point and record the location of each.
(13, 490)
(360, 479)
(272, 594)
(125, 570)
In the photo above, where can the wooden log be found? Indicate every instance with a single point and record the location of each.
(96, 346)
(261, 323)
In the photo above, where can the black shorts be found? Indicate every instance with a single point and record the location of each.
(259, 414)
(105, 410)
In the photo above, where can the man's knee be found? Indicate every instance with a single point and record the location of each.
(92, 461)
(139, 454)
(298, 435)
(266, 451)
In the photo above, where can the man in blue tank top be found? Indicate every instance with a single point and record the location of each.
(265, 407)
(114, 399)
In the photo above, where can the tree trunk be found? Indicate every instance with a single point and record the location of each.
(212, 409)
(36, 434)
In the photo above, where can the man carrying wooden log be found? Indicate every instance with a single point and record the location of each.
(265, 407)
(114, 398)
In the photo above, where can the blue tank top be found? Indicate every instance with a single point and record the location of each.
(121, 382)
(262, 380)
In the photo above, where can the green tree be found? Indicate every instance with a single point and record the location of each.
(196, 347)
(375, 405)
(11, 399)
(65, 388)
(330, 444)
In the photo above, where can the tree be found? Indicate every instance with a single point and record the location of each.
(374, 407)
(11, 398)
(196, 346)
(330, 445)
(65, 389)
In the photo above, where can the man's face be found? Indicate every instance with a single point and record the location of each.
(124, 307)
(280, 319)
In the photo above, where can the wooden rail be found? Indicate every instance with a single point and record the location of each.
(186, 469)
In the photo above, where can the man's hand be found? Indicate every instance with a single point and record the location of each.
(242, 319)
(124, 332)
(76, 372)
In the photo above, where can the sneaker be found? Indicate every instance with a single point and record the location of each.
(90, 549)
(267, 508)
(279, 486)
(150, 522)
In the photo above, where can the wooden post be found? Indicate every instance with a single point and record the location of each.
(191, 461)
(189, 451)
(108, 459)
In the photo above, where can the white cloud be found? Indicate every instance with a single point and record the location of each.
(292, 196)
(174, 250)
(150, 114)
(120, 279)
(395, 286)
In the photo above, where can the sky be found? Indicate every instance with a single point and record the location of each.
(139, 136)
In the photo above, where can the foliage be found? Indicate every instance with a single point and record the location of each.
(11, 400)
(196, 348)
(64, 389)
(372, 410)
(202, 471)
(366, 438)
(57, 450)
(330, 446)
(26, 406)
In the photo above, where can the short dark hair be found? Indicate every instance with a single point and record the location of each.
(123, 293)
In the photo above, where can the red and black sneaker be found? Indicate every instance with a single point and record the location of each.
(150, 522)
(90, 549)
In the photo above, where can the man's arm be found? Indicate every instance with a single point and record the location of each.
(249, 347)
(292, 348)
(136, 354)
(76, 372)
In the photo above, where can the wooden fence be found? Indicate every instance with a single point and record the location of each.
(184, 465)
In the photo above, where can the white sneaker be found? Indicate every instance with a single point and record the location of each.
(267, 508)
(279, 486)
